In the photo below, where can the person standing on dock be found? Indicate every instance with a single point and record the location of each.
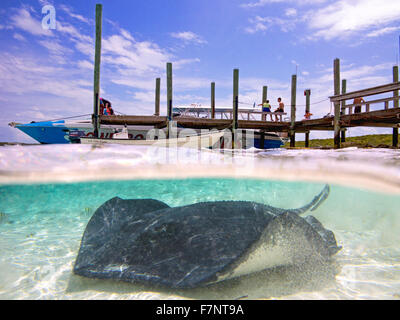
(307, 116)
(109, 110)
(105, 107)
(357, 102)
(266, 107)
(281, 108)
(104, 104)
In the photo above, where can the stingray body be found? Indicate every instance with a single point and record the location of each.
(147, 241)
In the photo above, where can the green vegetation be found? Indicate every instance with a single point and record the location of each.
(368, 141)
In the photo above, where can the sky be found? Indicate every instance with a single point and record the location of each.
(48, 73)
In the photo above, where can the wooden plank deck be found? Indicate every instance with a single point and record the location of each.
(389, 118)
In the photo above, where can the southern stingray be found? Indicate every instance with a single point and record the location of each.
(146, 241)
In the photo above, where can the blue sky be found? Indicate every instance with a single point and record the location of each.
(48, 74)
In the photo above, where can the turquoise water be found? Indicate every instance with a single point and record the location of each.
(41, 226)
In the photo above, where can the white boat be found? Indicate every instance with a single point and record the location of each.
(70, 131)
(81, 131)
(207, 140)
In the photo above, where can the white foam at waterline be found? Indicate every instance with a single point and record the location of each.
(374, 169)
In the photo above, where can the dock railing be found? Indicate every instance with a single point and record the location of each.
(341, 107)
(225, 113)
(391, 87)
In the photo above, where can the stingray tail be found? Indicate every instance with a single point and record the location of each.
(315, 203)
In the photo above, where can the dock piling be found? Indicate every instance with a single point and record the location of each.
(264, 94)
(264, 99)
(343, 110)
(157, 100)
(307, 134)
(292, 133)
(169, 97)
(336, 122)
(395, 135)
(235, 104)
(212, 100)
(97, 59)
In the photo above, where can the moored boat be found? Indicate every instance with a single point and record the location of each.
(65, 131)
(81, 131)
(202, 140)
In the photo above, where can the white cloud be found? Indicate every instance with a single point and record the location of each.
(137, 82)
(382, 31)
(54, 47)
(144, 96)
(19, 37)
(262, 3)
(24, 21)
(71, 31)
(45, 2)
(22, 75)
(188, 36)
(33, 114)
(291, 12)
(126, 34)
(8, 27)
(179, 63)
(180, 83)
(343, 19)
(84, 64)
(140, 57)
(259, 23)
(79, 17)
(346, 18)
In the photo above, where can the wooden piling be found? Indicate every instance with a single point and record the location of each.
(212, 100)
(97, 59)
(336, 123)
(157, 100)
(235, 104)
(395, 135)
(262, 139)
(235, 97)
(343, 110)
(169, 90)
(169, 97)
(264, 99)
(264, 94)
(292, 133)
(307, 134)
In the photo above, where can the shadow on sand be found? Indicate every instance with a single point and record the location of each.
(272, 283)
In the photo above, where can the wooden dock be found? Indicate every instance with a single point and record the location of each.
(384, 117)
(389, 118)
(346, 115)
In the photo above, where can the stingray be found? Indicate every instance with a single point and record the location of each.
(147, 241)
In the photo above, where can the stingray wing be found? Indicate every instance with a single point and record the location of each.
(108, 220)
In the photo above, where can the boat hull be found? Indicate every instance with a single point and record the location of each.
(64, 132)
(196, 141)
